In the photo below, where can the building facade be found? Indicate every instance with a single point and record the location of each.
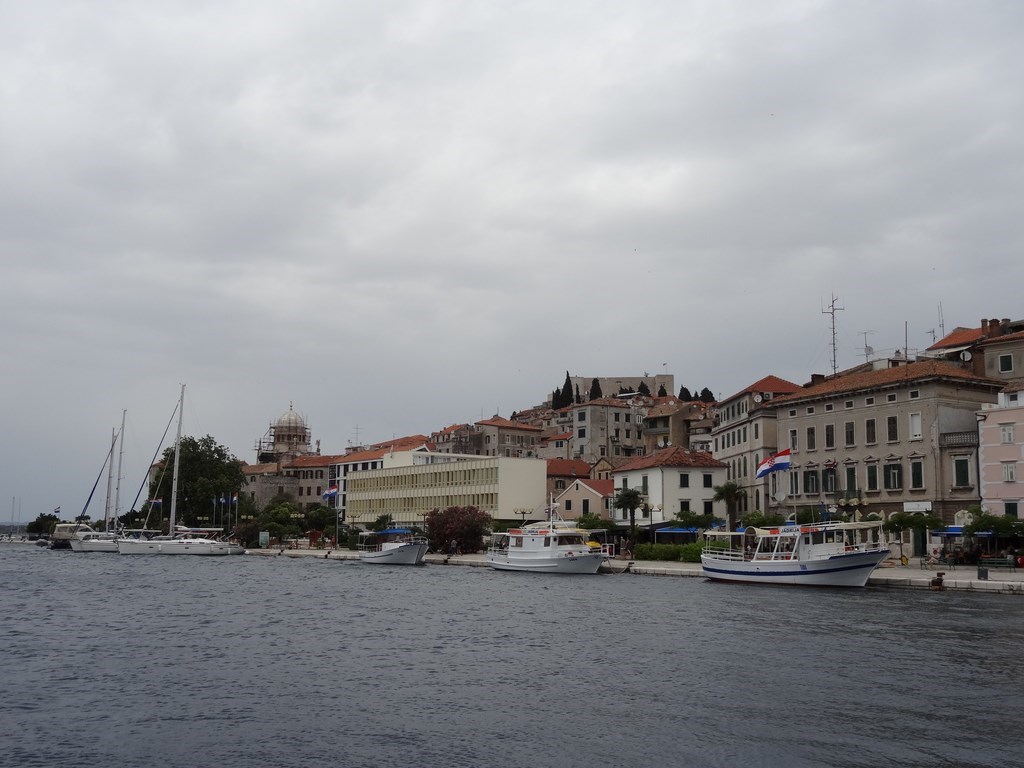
(1001, 452)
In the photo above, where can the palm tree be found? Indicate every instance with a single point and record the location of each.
(730, 493)
(631, 499)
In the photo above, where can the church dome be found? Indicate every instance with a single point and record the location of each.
(290, 420)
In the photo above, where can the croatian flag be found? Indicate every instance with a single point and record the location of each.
(773, 463)
(234, 498)
(332, 491)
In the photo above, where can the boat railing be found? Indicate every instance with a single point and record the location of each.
(723, 553)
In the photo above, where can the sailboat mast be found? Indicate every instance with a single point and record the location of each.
(117, 488)
(110, 479)
(177, 451)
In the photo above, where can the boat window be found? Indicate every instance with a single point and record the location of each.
(517, 541)
(547, 541)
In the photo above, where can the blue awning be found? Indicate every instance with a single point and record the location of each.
(676, 530)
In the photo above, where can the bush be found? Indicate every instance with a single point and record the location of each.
(691, 552)
(670, 552)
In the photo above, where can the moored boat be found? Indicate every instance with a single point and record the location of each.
(820, 554)
(392, 546)
(555, 546)
(186, 541)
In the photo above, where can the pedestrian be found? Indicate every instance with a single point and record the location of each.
(453, 547)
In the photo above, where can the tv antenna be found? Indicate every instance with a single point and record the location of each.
(832, 309)
(868, 349)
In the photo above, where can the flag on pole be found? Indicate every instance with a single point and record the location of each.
(773, 463)
(234, 498)
(332, 491)
(156, 501)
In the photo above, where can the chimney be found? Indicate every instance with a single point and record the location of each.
(984, 327)
(817, 378)
(993, 328)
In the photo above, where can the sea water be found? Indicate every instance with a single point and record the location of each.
(256, 661)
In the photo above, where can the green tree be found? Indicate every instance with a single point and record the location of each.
(595, 389)
(689, 519)
(566, 398)
(590, 522)
(731, 494)
(707, 396)
(44, 524)
(761, 520)
(684, 394)
(465, 525)
(322, 519)
(629, 499)
(207, 472)
(282, 521)
(643, 389)
(578, 399)
(382, 522)
(662, 392)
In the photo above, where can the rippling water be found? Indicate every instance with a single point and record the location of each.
(252, 661)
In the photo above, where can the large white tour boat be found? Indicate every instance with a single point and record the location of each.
(820, 554)
(555, 546)
(392, 546)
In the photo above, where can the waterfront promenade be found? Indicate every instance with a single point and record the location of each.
(961, 578)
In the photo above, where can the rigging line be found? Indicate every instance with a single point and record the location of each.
(153, 461)
(110, 453)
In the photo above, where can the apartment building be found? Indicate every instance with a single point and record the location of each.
(744, 432)
(889, 436)
(495, 436)
(1001, 451)
(586, 497)
(671, 480)
(607, 427)
(414, 483)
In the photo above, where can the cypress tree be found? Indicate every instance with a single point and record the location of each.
(684, 394)
(578, 398)
(662, 392)
(595, 389)
(566, 391)
(643, 389)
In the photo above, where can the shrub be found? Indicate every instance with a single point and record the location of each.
(669, 552)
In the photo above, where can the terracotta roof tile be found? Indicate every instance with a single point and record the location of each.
(958, 338)
(672, 457)
(300, 462)
(770, 383)
(568, 468)
(603, 487)
(501, 423)
(902, 374)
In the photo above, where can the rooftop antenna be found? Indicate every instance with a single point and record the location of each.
(942, 323)
(832, 309)
(868, 349)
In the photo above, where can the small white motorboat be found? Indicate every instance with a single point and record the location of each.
(392, 546)
(554, 546)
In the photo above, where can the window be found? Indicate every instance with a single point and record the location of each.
(810, 410)
(891, 397)
(851, 478)
(684, 480)
(707, 481)
(792, 411)
(848, 404)
(830, 436)
(1009, 469)
(915, 394)
(869, 432)
(961, 472)
(581, 416)
(828, 407)
(849, 434)
(581, 432)
(810, 439)
(617, 416)
(559, 485)
(828, 480)
(684, 505)
(892, 429)
(1006, 433)
(869, 401)
(893, 476)
(1006, 363)
(1010, 508)
(811, 481)
(915, 426)
(586, 506)
(872, 477)
(568, 505)
(709, 508)
(756, 425)
(643, 484)
(794, 443)
(916, 474)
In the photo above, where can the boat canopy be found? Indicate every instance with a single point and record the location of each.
(386, 532)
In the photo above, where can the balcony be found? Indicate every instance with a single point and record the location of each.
(958, 439)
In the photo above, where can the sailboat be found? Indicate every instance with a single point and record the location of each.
(105, 540)
(182, 540)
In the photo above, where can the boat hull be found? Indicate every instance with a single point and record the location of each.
(850, 570)
(404, 554)
(94, 545)
(580, 563)
(172, 547)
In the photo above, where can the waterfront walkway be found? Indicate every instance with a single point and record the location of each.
(961, 578)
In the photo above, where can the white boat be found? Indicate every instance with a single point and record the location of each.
(555, 546)
(185, 541)
(820, 554)
(95, 541)
(65, 533)
(392, 546)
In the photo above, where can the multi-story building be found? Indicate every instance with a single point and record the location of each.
(414, 483)
(1001, 451)
(890, 436)
(607, 427)
(671, 480)
(361, 460)
(495, 436)
(744, 432)
(563, 472)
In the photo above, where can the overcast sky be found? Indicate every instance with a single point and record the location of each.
(404, 215)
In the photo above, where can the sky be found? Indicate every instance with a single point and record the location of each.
(398, 216)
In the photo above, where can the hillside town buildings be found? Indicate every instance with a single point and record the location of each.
(936, 433)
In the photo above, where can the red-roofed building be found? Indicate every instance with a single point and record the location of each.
(586, 497)
(902, 438)
(671, 480)
(744, 432)
(562, 472)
